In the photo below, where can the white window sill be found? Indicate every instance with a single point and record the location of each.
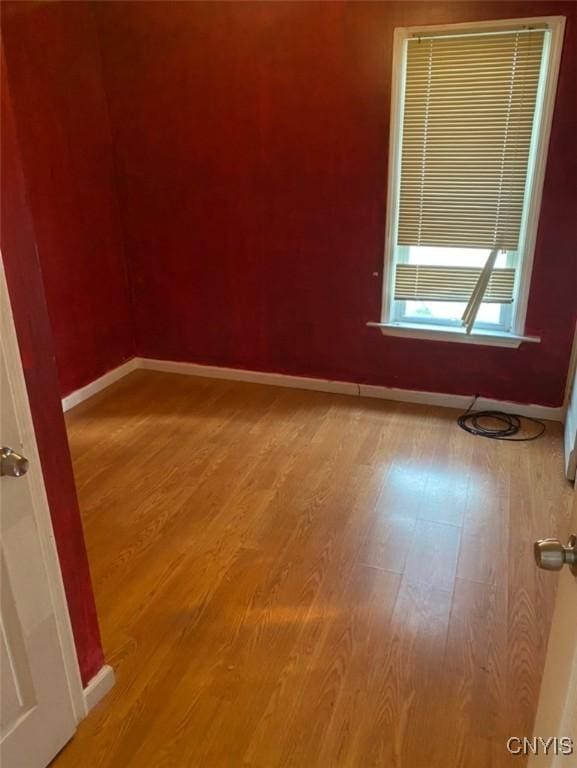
(434, 333)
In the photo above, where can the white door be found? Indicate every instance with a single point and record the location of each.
(571, 418)
(36, 711)
(557, 713)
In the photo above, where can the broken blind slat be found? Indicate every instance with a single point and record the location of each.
(435, 283)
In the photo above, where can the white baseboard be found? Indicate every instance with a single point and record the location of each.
(460, 402)
(98, 687)
(255, 377)
(79, 395)
(546, 412)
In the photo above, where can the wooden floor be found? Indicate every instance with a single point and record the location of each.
(291, 578)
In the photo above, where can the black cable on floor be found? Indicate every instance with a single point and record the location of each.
(508, 424)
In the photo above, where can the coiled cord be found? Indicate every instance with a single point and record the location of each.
(508, 424)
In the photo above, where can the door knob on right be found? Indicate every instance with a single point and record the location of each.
(551, 555)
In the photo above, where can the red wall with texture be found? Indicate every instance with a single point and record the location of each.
(60, 107)
(26, 291)
(252, 142)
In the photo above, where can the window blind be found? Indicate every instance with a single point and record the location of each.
(432, 283)
(468, 114)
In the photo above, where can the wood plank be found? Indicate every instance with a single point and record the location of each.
(399, 709)
(432, 558)
(474, 697)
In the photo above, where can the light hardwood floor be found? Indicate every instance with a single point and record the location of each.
(290, 578)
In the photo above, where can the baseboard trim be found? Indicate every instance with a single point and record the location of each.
(254, 377)
(460, 402)
(79, 395)
(98, 687)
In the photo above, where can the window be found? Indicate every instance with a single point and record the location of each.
(471, 116)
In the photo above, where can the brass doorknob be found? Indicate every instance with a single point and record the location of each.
(12, 464)
(551, 555)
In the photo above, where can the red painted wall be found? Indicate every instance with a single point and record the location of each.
(26, 290)
(53, 63)
(252, 148)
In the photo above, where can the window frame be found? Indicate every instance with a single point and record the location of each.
(533, 193)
